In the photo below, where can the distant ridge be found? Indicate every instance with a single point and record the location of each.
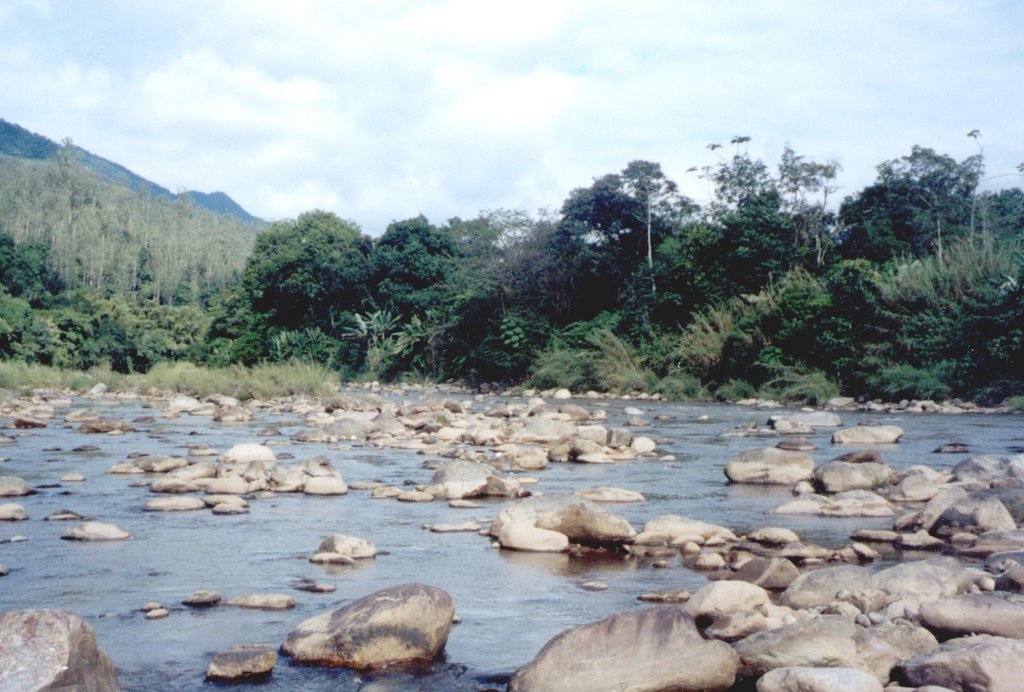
(16, 141)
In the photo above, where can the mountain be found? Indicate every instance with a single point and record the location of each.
(18, 142)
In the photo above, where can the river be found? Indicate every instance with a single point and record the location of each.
(509, 603)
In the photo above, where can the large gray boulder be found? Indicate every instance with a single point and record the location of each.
(839, 476)
(802, 679)
(458, 480)
(654, 649)
(999, 614)
(819, 587)
(983, 663)
(770, 466)
(828, 641)
(52, 650)
(11, 486)
(246, 662)
(403, 624)
(769, 573)
(867, 435)
(587, 524)
(924, 580)
(96, 531)
(976, 513)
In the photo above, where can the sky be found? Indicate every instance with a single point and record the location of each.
(379, 111)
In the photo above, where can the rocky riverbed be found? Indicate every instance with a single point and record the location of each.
(474, 542)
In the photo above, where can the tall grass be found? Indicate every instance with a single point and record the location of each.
(259, 382)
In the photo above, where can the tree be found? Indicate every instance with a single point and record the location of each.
(916, 206)
(307, 272)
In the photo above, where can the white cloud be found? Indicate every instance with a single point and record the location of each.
(386, 110)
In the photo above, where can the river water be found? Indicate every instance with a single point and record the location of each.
(510, 603)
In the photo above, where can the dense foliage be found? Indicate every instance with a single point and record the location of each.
(907, 288)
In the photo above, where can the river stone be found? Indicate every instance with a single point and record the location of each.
(105, 426)
(915, 488)
(243, 662)
(541, 430)
(181, 480)
(95, 531)
(673, 529)
(247, 452)
(975, 513)
(263, 601)
(819, 587)
(867, 435)
(325, 485)
(157, 614)
(516, 534)
(14, 487)
(802, 679)
(827, 641)
(52, 650)
(611, 495)
(403, 624)
(770, 466)
(414, 496)
(984, 662)
(773, 535)
(988, 467)
(719, 598)
(653, 649)
(931, 579)
(587, 524)
(349, 546)
(976, 613)
(992, 542)
(457, 480)
(643, 445)
(814, 419)
(228, 485)
(175, 504)
(12, 511)
(769, 573)
(202, 599)
(839, 476)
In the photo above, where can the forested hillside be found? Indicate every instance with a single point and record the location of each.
(907, 288)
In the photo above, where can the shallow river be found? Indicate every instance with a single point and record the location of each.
(510, 603)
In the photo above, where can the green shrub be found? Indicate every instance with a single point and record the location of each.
(681, 386)
(811, 387)
(908, 382)
(734, 390)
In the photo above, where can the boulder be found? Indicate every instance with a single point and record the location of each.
(263, 601)
(349, 546)
(247, 452)
(458, 480)
(829, 641)
(524, 536)
(770, 466)
(673, 529)
(719, 598)
(402, 624)
(773, 535)
(984, 662)
(202, 599)
(228, 485)
(924, 580)
(975, 513)
(915, 488)
(95, 531)
(803, 679)
(839, 476)
(987, 468)
(998, 614)
(182, 480)
(105, 426)
(11, 511)
(655, 649)
(14, 487)
(586, 524)
(325, 485)
(610, 495)
(52, 650)
(867, 435)
(541, 430)
(819, 587)
(812, 419)
(183, 503)
(851, 503)
(246, 662)
(768, 573)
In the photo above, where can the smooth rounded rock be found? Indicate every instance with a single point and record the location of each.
(262, 601)
(653, 649)
(11, 511)
(770, 466)
(403, 624)
(184, 503)
(800, 679)
(96, 531)
(243, 662)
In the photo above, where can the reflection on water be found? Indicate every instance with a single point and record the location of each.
(510, 603)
